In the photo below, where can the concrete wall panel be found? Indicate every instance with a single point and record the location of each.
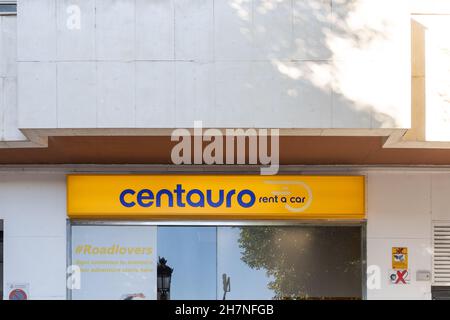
(76, 23)
(300, 64)
(33, 209)
(77, 94)
(37, 95)
(116, 94)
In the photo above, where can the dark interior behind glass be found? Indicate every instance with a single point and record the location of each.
(264, 262)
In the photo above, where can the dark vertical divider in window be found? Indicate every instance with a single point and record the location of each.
(1, 259)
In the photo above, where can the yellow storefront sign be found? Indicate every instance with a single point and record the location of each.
(215, 197)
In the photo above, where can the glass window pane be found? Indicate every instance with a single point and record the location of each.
(116, 262)
(245, 282)
(191, 252)
(301, 262)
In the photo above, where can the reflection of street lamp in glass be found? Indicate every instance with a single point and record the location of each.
(226, 285)
(164, 276)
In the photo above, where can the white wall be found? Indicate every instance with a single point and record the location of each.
(33, 207)
(8, 80)
(433, 69)
(399, 215)
(401, 207)
(230, 63)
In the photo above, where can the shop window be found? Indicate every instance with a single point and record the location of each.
(191, 253)
(113, 262)
(290, 262)
(214, 262)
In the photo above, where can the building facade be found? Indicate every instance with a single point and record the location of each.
(354, 88)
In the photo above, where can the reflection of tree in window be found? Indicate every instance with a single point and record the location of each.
(306, 262)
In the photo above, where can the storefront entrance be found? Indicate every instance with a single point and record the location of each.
(258, 260)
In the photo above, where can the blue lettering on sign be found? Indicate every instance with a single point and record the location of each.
(145, 198)
(193, 198)
(241, 197)
(211, 202)
(123, 200)
(160, 194)
(201, 198)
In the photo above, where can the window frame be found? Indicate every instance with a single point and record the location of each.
(220, 223)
